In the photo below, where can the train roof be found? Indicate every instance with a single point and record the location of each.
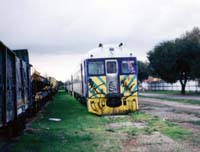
(21, 54)
(2, 45)
(109, 51)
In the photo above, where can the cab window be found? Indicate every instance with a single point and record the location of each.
(127, 67)
(96, 68)
(111, 67)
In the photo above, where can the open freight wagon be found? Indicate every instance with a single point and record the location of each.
(15, 95)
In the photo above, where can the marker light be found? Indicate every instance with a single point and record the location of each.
(100, 45)
(111, 49)
(121, 44)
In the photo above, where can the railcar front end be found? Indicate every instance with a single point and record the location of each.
(111, 85)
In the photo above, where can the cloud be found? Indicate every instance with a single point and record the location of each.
(64, 27)
(58, 66)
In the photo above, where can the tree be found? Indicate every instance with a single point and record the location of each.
(177, 59)
(170, 61)
(143, 71)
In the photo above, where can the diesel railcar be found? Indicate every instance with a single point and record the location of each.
(106, 80)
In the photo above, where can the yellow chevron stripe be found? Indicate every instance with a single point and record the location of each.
(104, 85)
(100, 86)
(133, 84)
(126, 82)
(90, 94)
(121, 87)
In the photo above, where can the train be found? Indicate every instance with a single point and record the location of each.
(22, 92)
(106, 80)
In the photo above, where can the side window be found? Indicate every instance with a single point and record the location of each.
(111, 67)
(96, 68)
(128, 67)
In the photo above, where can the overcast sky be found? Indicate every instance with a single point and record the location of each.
(58, 32)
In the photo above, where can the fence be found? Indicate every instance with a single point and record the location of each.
(162, 85)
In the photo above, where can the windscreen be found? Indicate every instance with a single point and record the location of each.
(96, 67)
(127, 67)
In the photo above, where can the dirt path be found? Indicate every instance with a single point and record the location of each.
(182, 107)
(155, 142)
(172, 111)
(172, 96)
(184, 115)
(150, 142)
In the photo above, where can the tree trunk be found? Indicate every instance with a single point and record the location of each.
(183, 84)
(182, 89)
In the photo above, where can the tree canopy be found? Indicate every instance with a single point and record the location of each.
(177, 59)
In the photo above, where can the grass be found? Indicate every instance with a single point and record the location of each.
(155, 124)
(188, 101)
(80, 131)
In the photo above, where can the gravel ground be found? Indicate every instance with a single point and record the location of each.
(170, 110)
(172, 96)
(184, 115)
(153, 143)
